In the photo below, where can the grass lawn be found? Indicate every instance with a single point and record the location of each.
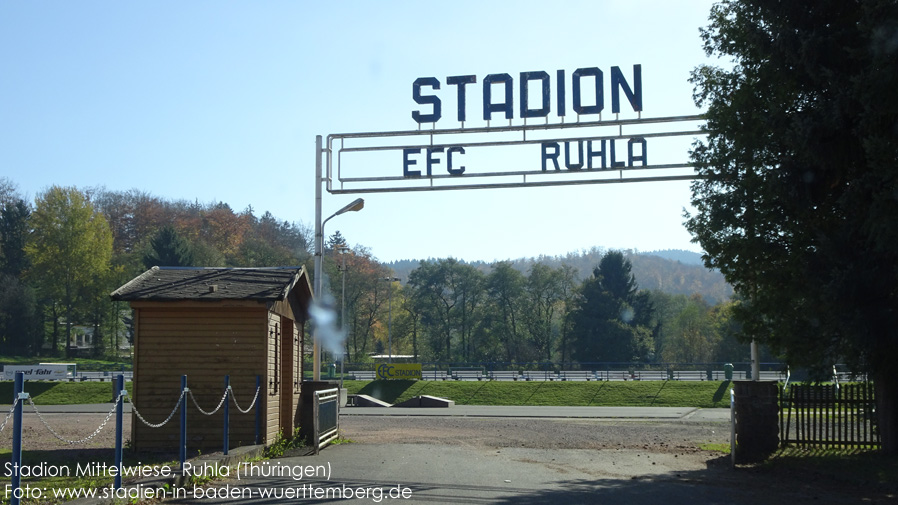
(704, 394)
(63, 393)
(86, 363)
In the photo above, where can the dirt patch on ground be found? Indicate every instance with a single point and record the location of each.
(539, 433)
(71, 427)
(674, 445)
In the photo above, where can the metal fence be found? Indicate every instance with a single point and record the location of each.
(326, 418)
(834, 415)
(548, 371)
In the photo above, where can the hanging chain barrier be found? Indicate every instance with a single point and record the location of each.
(251, 405)
(83, 440)
(137, 413)
(13, 409)
(167, 419)
(20, 396)
(223, 398)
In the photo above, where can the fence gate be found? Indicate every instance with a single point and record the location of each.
(829, 416)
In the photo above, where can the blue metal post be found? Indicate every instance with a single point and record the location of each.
(183, 446)
(119, 407)
(16, 459)
(226, 412)
(258, 409)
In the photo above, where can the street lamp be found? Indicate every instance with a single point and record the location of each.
(391, 280)
(343, 250)
(356, 205)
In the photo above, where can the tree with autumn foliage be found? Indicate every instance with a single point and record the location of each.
(365, 297)
(70, 248)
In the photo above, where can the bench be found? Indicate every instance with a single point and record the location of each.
(504, 375)
(690, 375)
(613, 375)
(467, 375)
(576, 375)
(650, 375)
(363, 375)
(435, 375)
(539, 375)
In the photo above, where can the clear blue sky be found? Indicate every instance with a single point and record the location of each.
(222, 100)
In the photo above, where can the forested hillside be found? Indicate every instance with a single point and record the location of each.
(62, 254)
(654, 271)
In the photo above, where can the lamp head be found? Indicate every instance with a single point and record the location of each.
(356, 205)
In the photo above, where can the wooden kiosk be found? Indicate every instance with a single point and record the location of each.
(208, 323)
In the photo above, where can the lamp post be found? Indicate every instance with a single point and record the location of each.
(356, 205)
(343, 250)
(391, 280)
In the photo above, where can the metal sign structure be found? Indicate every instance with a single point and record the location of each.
(602, 152)
(438, 159)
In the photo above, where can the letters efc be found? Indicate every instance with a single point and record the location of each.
(399, 371)
(550, 150)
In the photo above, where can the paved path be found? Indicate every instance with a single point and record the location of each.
(425, 474)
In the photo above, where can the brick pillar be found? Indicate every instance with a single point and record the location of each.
(757, 420)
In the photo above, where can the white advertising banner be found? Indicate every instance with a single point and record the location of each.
(36, 372)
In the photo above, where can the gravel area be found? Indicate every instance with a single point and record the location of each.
(537, 433)
(680, 436)
(36, 437)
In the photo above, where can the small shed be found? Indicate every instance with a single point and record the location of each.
(208, 323)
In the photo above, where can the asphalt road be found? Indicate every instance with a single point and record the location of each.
(473, 473)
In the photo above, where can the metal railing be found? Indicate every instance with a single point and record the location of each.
(326, 416)
(579, 371)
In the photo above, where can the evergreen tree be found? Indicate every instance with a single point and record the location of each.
(336, 240)
(168, 249)
(606, 326)
(19, 323)
(13, 234)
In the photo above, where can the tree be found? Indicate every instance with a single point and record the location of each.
(506, 290)
(168, 249)
(606, 324)
(546, 292)
(447, 297)
(691, 335)
(336, 240)
(796, 201)
(8, 191)
(365, 298)
(435, 300)
(70, 247)
(18, 320)
(14, 216)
